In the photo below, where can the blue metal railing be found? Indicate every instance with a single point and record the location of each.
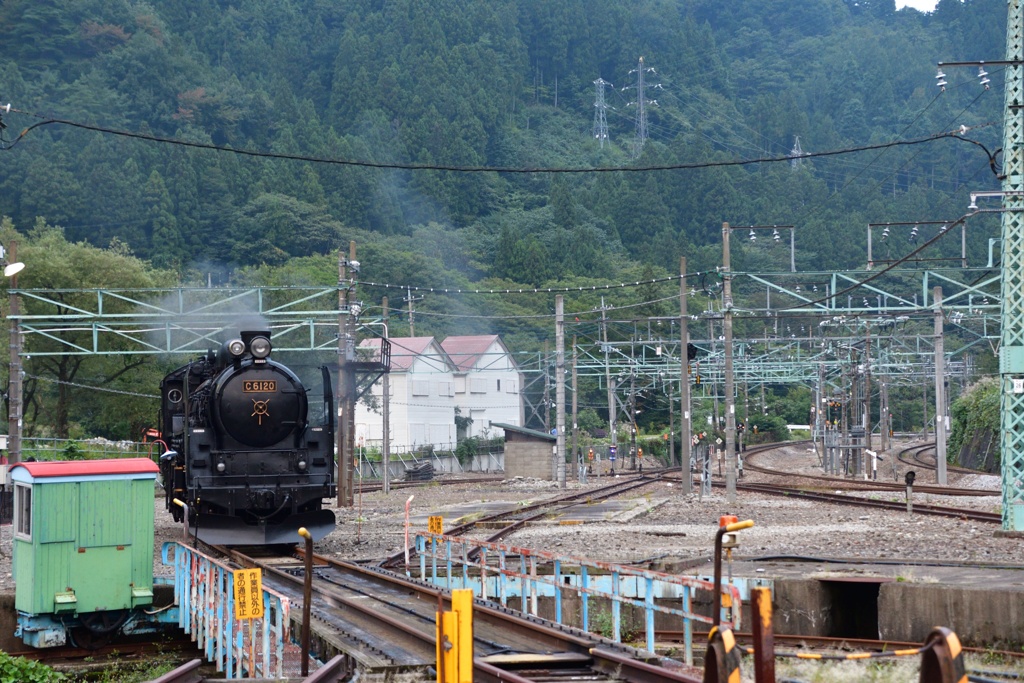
(619, 584)
(204, 592)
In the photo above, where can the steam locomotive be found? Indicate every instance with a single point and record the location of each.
(242, 454)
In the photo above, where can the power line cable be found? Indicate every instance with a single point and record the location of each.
(408, 166)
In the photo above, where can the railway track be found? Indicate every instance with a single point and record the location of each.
(817, 494)
(512, 520)
(866, 485)
(859, 501)
(915, 457)
(831, 643)
(372, 487)
(386, 623)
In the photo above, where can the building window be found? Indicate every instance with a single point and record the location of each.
(499, 385)
(23, 511)
(420, 387)
(478, 386)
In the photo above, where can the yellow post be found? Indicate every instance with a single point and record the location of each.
(447, 647)
(462, 605)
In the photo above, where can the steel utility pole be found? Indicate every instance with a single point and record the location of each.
(1011, 355)
(730, 400)
(940, 393)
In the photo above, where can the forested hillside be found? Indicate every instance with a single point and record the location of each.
(503, 84)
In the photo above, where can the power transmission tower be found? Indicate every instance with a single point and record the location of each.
(600, 121)
(1012, 350)
(641, 103)
(797, 152)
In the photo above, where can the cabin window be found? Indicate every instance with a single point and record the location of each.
(23, 511)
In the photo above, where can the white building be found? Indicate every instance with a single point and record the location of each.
(487, 382)
(429, 380)
(421, 398)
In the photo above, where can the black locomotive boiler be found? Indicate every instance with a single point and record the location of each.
(242, 452)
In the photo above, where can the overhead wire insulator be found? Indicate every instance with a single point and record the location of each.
(940, 80)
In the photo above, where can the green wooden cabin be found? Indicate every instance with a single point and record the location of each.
(83, 535)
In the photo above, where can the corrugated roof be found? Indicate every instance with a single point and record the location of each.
(84, 468)
(465, 352)
(405, 350)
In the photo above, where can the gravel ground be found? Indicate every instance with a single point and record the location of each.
(668, 525)
(678, 526)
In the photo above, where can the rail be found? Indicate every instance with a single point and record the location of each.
(602, 580)
(334, 671)
(204, 592)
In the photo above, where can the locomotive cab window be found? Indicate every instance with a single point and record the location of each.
(23, 511)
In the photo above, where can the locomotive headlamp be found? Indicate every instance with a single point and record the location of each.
(221, 467)
(260, 347)
(301, 465)
(236, 347)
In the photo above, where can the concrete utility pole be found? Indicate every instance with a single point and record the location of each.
(346, 432)
(685, 428)
(940, 391)
(386, 417)
(608, 378)
(730, 400)
(867, 387)
(560, 390)
(1011, 354)
(580, 465)
(15, 386)
(410, 299)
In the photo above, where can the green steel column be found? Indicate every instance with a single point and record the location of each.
(1012, 349)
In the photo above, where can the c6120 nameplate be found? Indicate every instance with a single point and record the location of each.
(259, 386)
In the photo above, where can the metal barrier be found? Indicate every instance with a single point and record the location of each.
(590, 580)
(205, 593)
